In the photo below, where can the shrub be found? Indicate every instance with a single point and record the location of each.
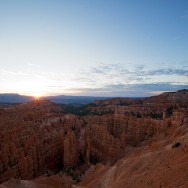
(176, 144)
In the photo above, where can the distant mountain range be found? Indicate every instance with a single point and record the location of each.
(181, 95)
(14, 98)
(61, 99)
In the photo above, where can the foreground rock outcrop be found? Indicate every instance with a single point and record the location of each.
(55, 181)
(156, 164)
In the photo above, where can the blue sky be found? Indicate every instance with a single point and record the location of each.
(93, 47)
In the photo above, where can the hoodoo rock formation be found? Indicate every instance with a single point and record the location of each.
(158, 162)
(33, 139)
(70, 150)
(119, 143)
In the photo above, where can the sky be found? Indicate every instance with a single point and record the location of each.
(127, 48)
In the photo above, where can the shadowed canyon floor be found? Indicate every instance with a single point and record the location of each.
(116, 143)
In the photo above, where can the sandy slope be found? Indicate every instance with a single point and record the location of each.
(55, 181)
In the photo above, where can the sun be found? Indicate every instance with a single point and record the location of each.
(37, 94)
(37, 97)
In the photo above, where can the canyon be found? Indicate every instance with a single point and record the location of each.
(118, 142)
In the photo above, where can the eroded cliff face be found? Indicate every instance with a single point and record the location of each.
(38, 136)
(159, 162)
(110, 134)
(70, 150)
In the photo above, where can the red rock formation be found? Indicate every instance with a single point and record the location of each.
(31, 139)
(55, 181)
(36, 136)
(70, 150)
(156, 164)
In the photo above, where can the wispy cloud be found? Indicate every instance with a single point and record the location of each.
(132, 90)
(105, 80)
(8, 72)
(167, 71)
(118, 80)
(119, 74)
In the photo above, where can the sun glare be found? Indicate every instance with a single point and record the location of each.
(37, 97)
